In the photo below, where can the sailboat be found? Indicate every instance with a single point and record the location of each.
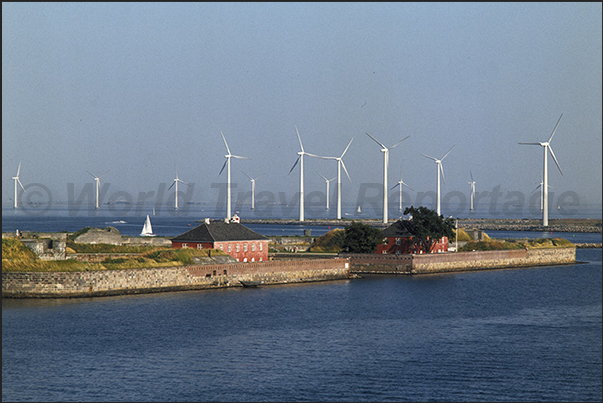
(147, 230)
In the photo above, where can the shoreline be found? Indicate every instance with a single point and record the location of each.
(585, 225)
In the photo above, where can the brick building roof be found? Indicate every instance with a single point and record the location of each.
(399, 229)
(219, 231)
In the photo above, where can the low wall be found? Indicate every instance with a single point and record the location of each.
(459, 261)
(193, 277)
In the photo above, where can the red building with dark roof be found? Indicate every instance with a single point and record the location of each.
(238, 241)
(398, 239)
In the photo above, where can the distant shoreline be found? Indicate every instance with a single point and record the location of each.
(586, 225)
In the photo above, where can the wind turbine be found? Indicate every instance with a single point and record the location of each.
(540, 186)
(545, 184)
(401, 184)
(253, 189)
(227, 163)
(440, 171)
(385, 151)
(300, 159)
(327, 182)
(17, 180)
(472, 184)
(97, 180)
(176, 180)
(340, 164)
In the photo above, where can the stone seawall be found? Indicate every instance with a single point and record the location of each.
(193, 277)
(459, 261)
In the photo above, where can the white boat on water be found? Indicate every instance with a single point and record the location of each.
(147, 229)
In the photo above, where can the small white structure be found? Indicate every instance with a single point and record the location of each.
(147, 229)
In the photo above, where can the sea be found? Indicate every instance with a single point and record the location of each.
(512, 335)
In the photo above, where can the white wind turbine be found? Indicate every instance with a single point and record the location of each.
(227, 163)
(545, 184)
(440, 171)
(401, 184)
(472, 185)
(327, 182)
(97, 180)
(385, 151)
(253, 189)
(176, 180)
(300, 159)
(17, 180)
(340, 164)
(541, 192)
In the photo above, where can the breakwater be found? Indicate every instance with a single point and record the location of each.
(191, 277)
(459, 261)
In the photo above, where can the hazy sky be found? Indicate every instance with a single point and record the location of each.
(142, 88)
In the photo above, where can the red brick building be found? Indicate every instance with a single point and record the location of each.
(398, 239)
(238, 241)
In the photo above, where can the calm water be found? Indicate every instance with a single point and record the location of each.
(502, 335)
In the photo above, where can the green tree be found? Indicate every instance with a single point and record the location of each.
(361, 238)
(428, 227)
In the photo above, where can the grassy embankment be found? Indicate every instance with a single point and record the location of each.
(16, 257)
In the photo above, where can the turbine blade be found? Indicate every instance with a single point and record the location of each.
(408, 186)
(19, 180)
(346, 149)
(94, 176)
(530, 144)
(441, 167)
(447, 153)
(173, 183)
(345, 170)
(247, 175)
(398, 142)
(322, 177)
(395, 186)
(299, 138)
(535, 189)
(103, 174)
(332, 179)
(296, 161)
(555, 159)
(555, 129)
(376, 141)
(239, 157)
(223, 166)
(225, 143)
(182, 182)
(429, 157)
(471, 175)
(19, 169)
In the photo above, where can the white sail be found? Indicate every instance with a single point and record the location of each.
(147, 230)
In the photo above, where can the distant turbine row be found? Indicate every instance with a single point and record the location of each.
(340, 164)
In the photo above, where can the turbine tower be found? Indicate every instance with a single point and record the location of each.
(97, 180)
(17, 180)
(385, 151)
(545, 184)
(440, 171)
(176, 180)
(327, 182)
(340, 164)
(227, 163)
(253, 189)
(472, 185)
(541, 192)
(300, 159)
(401, 184)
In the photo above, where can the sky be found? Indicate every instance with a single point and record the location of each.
(143, 89)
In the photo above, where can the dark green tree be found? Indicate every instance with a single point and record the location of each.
(361, 238)
(428, 227)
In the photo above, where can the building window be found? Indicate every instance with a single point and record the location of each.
(199, 246)
(398, 241)
(225, 271)
(237, 247)
(261, 245)
(229, 248)
(253, 246)
(244, 247)
(384, 252)
(184, 245)
(222, 247)
(385, 241)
